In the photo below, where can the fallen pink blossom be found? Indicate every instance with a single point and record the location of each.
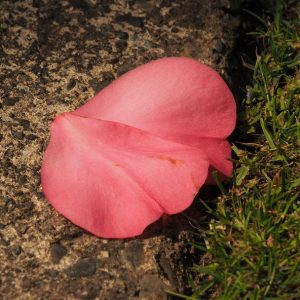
(140, 148)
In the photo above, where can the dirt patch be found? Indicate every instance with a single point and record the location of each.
(55, 55)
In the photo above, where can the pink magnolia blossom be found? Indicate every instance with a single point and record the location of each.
(140, 148)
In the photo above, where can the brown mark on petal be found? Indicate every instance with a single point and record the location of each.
(117, 165)
(195, 183)
(171, 160)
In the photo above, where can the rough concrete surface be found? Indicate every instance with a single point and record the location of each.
(54, 56)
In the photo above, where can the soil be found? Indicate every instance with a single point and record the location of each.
(54, 56)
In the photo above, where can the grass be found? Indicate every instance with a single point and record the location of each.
(251, 247)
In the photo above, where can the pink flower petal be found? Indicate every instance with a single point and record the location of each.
(114, 180)
(170, 97)
(140, 148)
(178, 99)
(218, 152)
